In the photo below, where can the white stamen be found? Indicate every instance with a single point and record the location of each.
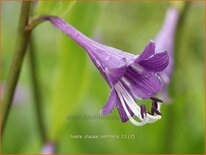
(128, 84)
(126, 81)
(126, 99)
(130, 100)
(127, 112)
(137, 68)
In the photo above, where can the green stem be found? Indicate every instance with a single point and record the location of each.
(170, 126)
(19, 53)
(36, 89)
(34, 23)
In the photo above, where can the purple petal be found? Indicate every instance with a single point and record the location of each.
(156, 63)
(113, 99)
(148, 51)
(142, 85)
(165, 40)
(122, 112)
(115, 74)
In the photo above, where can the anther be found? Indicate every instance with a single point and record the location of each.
(143, 110)
(156, 111)
(154, 108)
(155, 99)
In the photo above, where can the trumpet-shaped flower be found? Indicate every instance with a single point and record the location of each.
(131, 77)
(165, 40)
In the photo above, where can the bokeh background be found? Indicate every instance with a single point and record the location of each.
(70, 85)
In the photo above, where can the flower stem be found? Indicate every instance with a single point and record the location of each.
(18, 57)
(36, 89)
(34, 23)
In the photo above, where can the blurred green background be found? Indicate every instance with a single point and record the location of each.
(70, 85)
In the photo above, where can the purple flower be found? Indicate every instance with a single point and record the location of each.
(131, 77)
(48, 148)
(165, 40)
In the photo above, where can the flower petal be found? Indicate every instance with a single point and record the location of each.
(114, 99)
(156, 63)
(143, 85)
(115, 74)
(121, 110)
(148, 51)
(122, 113)
(109, 106)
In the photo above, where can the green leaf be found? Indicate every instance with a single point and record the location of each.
(56, 8)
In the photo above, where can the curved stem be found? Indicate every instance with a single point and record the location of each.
(36, 89)
(34, 22)
(19, 53)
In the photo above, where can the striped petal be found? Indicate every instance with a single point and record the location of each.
(156, 63)
(143, 85)
(148, 51)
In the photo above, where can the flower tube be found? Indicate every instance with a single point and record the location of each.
(165, 41)
(130, 77)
